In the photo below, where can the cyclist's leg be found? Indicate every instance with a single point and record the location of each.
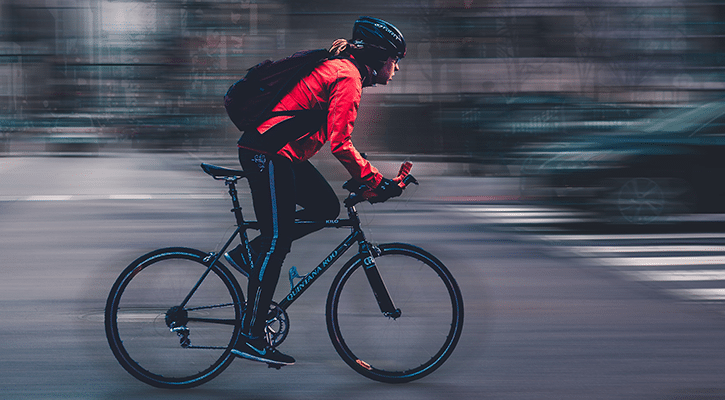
(316, 197)
(314, 194)
(271, 182)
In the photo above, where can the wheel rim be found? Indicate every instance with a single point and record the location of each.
(157, 342)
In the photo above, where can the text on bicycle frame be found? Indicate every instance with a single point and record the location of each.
(311, 276)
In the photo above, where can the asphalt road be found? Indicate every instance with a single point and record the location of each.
(539, 324)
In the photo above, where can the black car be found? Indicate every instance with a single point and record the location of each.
(667, 164)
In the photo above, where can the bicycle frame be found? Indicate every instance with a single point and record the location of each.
(366, 250)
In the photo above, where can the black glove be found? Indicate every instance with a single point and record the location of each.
(385, 190)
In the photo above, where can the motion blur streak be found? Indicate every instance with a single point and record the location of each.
(481, 76)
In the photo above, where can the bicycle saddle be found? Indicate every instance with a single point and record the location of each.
(221, 172)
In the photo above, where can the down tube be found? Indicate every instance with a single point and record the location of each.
(307, 281)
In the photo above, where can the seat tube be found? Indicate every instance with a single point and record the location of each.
(237, 210)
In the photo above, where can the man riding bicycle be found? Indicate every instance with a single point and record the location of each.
(275, 157)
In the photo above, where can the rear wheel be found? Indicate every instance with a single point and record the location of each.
(159, 342)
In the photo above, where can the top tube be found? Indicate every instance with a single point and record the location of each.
(331, 223)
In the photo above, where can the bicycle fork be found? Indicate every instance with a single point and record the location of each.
(376, 281)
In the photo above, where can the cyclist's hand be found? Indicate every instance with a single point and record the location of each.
(391, 187)
(385, 190)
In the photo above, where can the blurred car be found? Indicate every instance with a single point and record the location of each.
(83, 134)
(78, 133)
(666, 164)
(494, 125)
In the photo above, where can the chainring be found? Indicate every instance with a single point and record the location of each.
(277, 325)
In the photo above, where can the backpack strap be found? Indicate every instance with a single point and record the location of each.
(302, 123)
(303, 71)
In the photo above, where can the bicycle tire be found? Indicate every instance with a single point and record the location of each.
(405, 348)
(139, 314)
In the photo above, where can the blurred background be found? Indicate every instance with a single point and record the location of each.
(481, 76)
(515, 88)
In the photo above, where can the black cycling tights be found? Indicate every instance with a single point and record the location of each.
(278, 186)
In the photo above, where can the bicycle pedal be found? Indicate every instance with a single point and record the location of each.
(275, 366)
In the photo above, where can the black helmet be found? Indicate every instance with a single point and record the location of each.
(379, 38)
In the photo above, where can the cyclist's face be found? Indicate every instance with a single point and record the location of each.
(385, 74)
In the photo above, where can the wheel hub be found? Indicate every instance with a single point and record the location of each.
(176, 319)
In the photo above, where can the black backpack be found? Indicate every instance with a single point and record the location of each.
(250, 100)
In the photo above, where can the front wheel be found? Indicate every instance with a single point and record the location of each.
(161, 343)
(418, 337)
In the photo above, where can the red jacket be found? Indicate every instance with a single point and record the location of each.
(335, 86)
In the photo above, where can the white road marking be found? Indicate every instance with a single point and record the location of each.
(49, 198)
(669, 261)
(676, 276)
(643, 249)
(705, 294)
(660, 261)
(138, 196)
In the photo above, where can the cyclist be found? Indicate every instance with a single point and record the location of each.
(280, 176)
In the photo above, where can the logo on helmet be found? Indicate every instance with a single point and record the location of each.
(386, 29)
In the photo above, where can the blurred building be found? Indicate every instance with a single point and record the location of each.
(151, 73)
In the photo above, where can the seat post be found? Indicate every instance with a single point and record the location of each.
(237, 210)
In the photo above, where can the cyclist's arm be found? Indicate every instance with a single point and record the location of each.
(345, 95)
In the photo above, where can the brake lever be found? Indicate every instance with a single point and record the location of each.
(408, 180)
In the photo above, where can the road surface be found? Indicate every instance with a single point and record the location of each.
(543, 319)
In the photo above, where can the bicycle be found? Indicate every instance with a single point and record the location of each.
(174, 314)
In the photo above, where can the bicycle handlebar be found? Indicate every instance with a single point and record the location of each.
(408, 180)
(358, 191)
